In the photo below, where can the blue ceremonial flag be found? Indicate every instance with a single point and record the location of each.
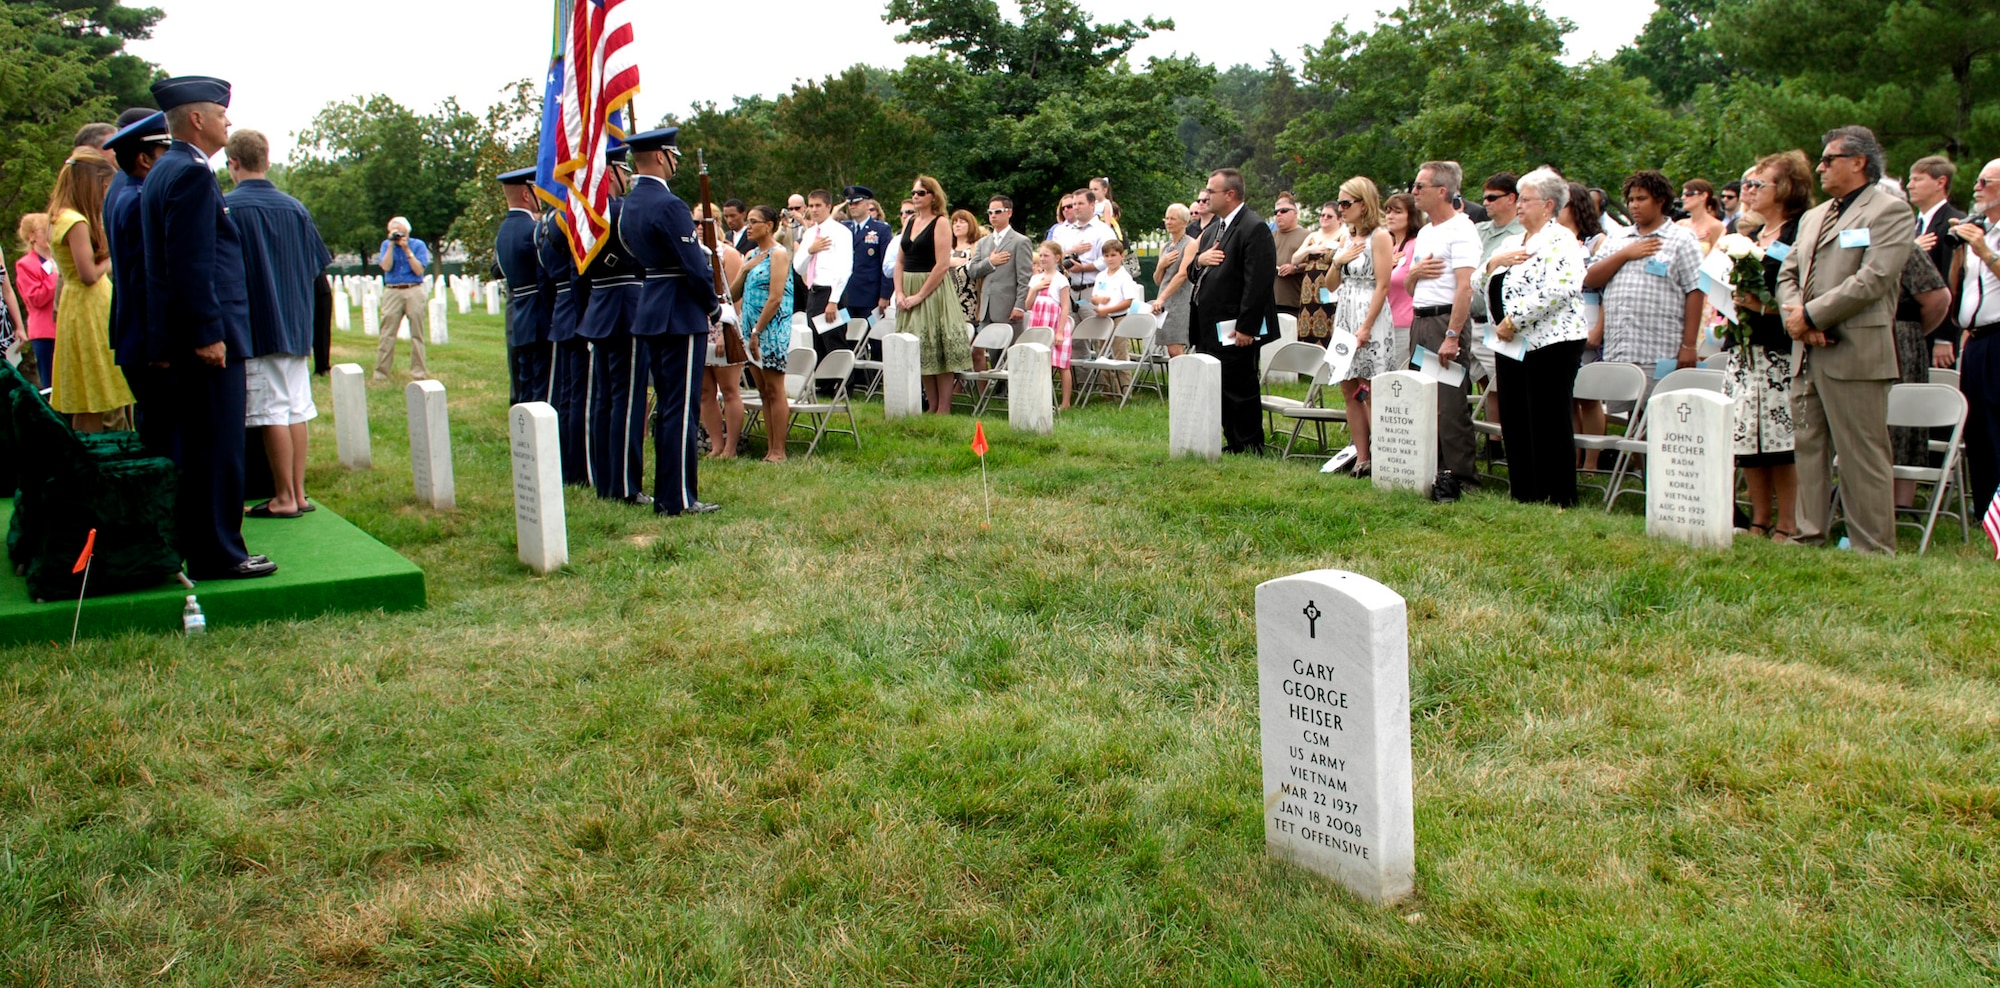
(547, 156)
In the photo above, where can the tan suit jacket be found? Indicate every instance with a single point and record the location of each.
(1854, 288)
(1003, 288)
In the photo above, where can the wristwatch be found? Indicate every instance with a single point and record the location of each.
(1451, 334)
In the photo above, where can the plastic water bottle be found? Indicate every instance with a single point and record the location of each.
(192, 621)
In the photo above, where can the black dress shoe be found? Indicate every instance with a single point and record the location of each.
(248, 569)
(697, 508)
(641, 499)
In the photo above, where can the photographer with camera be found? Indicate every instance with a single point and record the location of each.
(1975, 280)
(403, 259)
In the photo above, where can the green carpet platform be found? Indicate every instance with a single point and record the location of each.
(325, 565)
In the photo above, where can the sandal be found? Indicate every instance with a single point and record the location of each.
(1759, 531)
(1364, 468)
(1782, 537)
(264, 511)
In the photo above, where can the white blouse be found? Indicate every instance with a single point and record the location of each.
(1544, 294)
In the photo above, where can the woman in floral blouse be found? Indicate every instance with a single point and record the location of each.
(1540, 282)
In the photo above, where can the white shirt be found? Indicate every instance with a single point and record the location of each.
(1457, 241)
(1114, 287)
(834, 264)
(1979, 305)
(1069, 235)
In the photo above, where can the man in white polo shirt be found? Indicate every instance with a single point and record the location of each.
(1446, 252)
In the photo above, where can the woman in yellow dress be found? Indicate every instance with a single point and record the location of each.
(87, 381)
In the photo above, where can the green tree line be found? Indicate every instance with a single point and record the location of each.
(1034, 101)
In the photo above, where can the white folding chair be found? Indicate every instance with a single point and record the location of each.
(994, 338)
(1315, 410)
(883, 327)
(1291, 360)
(1928, 406)
(998, 377)
(1944, 375)
(837, 366)
(1633, 443)
(799, 361)
(1606, 382)
(1135, 330)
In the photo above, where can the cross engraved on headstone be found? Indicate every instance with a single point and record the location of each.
(1684, 411)
(1397, 388)
(1312, 613)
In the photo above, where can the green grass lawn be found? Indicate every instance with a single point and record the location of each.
(837, 734)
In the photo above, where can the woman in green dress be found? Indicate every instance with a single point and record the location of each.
(922, 310)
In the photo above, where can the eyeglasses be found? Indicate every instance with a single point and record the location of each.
(1343, 203)
(1285, 209)
(1495, 196)
(1828, 159)
(919, 192)
(1692, 192)
(1752, 185)
(1729, 195)
(907, 213)
(995, 212)
(1984, 182)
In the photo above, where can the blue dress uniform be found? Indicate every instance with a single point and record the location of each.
(530, 355)
(675, 311)
(570, 388)
(196, 297)
(125, 235)
(869, 284)
(618, 363)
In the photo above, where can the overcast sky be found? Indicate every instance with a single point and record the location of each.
(420, 53)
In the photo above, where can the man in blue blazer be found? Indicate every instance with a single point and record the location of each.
(198, 326)
(137, 146)
(530, 355)
(676, 310)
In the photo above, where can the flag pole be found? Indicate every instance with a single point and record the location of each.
(985, 493)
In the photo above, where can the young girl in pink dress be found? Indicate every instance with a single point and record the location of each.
(1048, 305)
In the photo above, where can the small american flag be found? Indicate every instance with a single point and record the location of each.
(1992, 524)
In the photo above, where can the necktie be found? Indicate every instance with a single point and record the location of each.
(812, 262)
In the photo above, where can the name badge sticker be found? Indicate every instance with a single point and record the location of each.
(1778, 251)
(1657, 267)
(1857, 237)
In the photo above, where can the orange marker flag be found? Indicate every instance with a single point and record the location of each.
(83, 560)
(979, 447)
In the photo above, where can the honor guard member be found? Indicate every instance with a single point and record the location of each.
(617, 358)
(570, 391)
(198, 326)
(676, 312)
(137, 146)
(530, 355)
(868, 287)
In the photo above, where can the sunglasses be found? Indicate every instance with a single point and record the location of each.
(1284, 209)
(1752, 185)
(995, 212)
(919, 192)
(1984, 182)
(1494, 196)
(1828, 159)
(1342, 203)
(907, 213)
(1692, 192)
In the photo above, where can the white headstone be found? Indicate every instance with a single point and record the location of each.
(463, 293)
(1194, 406)
(430, 445)
(492, 298)
(350, 416)
(440, 334)
(371, 314)
(539, 520)
(1031, 405)
(1333, 686)
(343, 319)
(403, 329)
(902, 380)
(1691, 468)
(1402, 434)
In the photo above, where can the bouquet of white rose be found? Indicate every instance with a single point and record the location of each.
(1745, 277)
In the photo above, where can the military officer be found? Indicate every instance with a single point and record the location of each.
(530, 355)
(137, 146)
(617, 358)
(676, 311)
(868, 287)
(198, 326)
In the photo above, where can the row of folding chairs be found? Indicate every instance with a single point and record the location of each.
(803, 371)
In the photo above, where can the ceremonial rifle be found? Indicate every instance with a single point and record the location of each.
(732, 336)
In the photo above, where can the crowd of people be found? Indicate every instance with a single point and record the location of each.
(150, 301)
(1521, 284)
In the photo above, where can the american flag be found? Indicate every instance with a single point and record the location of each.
(1992, 524)
(593, 75)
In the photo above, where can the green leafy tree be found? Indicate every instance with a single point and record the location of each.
(1480, 82)
(62, 65)
(511, 132)
(739, 143)
(1921, 73)
(1677, 50)
(365, 160)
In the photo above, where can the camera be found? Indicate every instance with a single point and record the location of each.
(398, 236)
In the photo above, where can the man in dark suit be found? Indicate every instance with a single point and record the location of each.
(530, 355)
(1930, 192)
(1236, 268)
(198, 326)
(677, 307)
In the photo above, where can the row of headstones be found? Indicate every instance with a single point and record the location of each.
(540, 520)
(371, 314)
(1690, 444)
